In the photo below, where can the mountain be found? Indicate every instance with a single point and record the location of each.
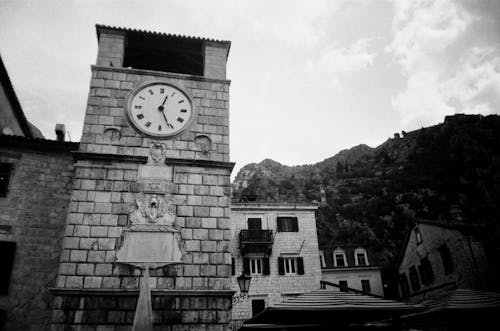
(370, 196)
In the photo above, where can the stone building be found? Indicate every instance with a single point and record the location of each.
(438, 257)
(351, 267)
(152, 164)
(277, 245)
(36, 178)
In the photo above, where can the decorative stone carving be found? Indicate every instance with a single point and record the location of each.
(157, 153)
(153, 237)
(112, 133)
(204, 143)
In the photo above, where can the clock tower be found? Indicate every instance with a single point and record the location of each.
(152, 188)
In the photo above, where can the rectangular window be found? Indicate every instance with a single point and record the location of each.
(365, 285)
(343, 285)
(403, 284)
(7, 253)
(445, 253)
(258, 306)
(361, 257)
(414, 280)
(254, 223)
(5, 171)
(233, 267)
(288, 224)
(340, 260)
(425, 270)
(256, 266)
(291, 265)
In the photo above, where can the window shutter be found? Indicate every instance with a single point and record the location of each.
(246, 266)
(295, 224)
(265, 267)
(300, 266)
(280, 224)
(281, 266)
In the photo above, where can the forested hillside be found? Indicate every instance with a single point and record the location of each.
(369, 196)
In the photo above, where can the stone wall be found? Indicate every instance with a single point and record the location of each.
(33, 215)
(274, 288)
(467, 273)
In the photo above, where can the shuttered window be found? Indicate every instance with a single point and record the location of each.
(290, 265)
(5, 170)
(256, 266)
(288, 224)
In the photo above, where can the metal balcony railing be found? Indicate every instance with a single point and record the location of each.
(256, 236)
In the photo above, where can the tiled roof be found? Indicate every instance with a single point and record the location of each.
(116, 28)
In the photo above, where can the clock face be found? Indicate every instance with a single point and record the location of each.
(159, 110)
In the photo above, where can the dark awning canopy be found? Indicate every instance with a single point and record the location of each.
(328, 307)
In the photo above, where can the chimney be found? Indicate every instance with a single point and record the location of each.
(60, 132)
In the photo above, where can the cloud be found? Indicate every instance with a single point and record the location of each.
(447, 71)
(335, 60)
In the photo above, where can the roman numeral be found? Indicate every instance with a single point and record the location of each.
(181, 101)
(183, 110)
(138, 107)
(170, 125)
(148, 124)
(140, 116)
(151, 92)
(180, 119)
(159, 127)
(142, 98)
(173, 94)
(162, 90)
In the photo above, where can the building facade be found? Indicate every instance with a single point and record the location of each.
(277, 245)
(351, 267)
(438, 257)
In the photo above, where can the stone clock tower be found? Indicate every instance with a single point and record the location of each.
(152, 187)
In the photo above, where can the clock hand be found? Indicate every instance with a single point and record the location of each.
(165, 116)
(160, 108)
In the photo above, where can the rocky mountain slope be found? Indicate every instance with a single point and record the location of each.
(370, 196)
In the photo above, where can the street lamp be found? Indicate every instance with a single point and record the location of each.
(244, 284)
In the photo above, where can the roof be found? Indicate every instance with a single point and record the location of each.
(14, 101)
(458, 301)
(100, 27)
(332, 306)
(39, 144)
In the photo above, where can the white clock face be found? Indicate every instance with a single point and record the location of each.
(159, 110)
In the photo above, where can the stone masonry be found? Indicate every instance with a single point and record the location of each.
(33, 216)
(275, 288)
(92, 291)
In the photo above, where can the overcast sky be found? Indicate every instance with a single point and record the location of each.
(309, 78)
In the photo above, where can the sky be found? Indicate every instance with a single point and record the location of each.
(308, 78)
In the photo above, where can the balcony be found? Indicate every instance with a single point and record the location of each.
(256, 241)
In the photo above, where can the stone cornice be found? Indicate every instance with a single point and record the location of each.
(160, 74)
(155, 292)
(143, 159)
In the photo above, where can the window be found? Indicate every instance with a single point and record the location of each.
(361, 257)
(418, 235)
(290, 265)
(258, 306)
(254, 224)
(339, 258)
(403, 284)
(322, 260)
(445, 253)
(5, 170)
(256, 266)
(7, 253)
(414, 280)
(233, 267)
(425, 270)
(288, 224)
(365, 285)
(343, 285)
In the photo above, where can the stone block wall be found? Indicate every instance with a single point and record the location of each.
(33, 215)
(274, 288)
(107, 131)
(111, 49)
(215, 60)
(465, 273)
(173, 311)
(99, 210)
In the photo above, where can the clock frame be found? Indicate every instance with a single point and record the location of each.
(147, 114)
